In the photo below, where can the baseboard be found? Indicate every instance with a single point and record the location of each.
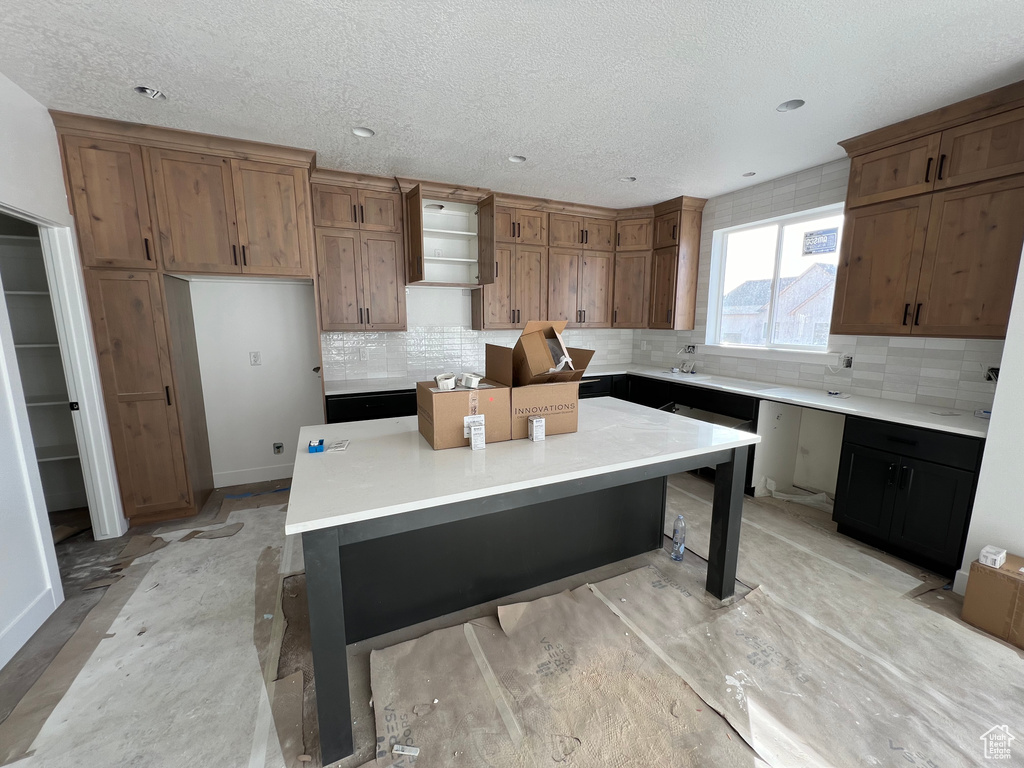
(23, 626)
(255, 475)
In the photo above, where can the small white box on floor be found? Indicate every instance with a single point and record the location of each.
(993, 557)
(535, 428)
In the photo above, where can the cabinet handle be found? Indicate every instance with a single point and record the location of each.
(581, 237)
(615, 316)
(900, 440)
(906, 313)
(245, 261)
(360, 315)
(167, 394)
(917, 315)
(586, 236)
(942, 162)
(618, 239)
(362, 216)
(668, 315)
(928, 170)
(519, 315)
(234, 255)
(584, 317)
(674, 231)
(906, 477)
(893, 468)
(145, 241)
(519, 230)
(355, 216)
(368, 321)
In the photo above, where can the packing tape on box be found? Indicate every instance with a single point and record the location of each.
(445, 381)
(470, 380)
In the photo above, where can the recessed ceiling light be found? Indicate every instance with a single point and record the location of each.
(517, 159)
(750, 173)
(628, 178)
(789, 106)
(150, 93)
(363, 133)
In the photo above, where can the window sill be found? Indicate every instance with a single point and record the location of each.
(817, 357)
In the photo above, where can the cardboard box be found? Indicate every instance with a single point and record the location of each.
(995, 600)
(526, 368)
(441, 413)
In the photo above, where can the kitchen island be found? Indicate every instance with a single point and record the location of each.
(410, 533)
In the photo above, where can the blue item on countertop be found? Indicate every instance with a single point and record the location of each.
(316, 446)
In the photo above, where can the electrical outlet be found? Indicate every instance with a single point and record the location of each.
(690, 349)
(643, 346)
(255, 358)
(438, 253)
(364, 354)
(846, 361)
(278, 447)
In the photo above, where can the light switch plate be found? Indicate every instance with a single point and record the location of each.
(255, 358)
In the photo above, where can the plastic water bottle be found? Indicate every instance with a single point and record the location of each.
(678, 539)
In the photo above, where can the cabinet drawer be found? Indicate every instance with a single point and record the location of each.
(724, 403)
(595, 386)
(373, 405)
(914, 442)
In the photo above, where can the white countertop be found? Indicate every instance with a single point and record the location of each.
(389, 468)
(911, 414)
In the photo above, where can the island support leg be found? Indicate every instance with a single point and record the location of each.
(726, 514)
(327, 631)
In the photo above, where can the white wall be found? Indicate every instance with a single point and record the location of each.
(818, 449)
(249, 408)
(31, 183)
(998, 516)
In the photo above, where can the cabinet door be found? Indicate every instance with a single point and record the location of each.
(272, 209)
(486, 242)
(595, 289)
(340, 279)
(504, 224)
(108, 189)
(975, 235)
(195, 210)
(598, 235)
(383, 281)
(563, 284)
(664, 264)
(414, 233)
(335, 206)
(564, 231)
(893, 172)
(982, 150)
(498, 310)
(532, 227)
(666, 230)
(933, 503)
(879, 264)
(866, 489)
(634, 235)
(631, 294)
(529, 284)
(131, 343)
(380, 211)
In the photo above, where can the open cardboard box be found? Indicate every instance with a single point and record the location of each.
(441, 412)
(536, 391)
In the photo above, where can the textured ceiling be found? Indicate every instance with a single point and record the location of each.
(681, 94)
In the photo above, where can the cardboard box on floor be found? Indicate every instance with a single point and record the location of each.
(994, 600)
(441, 413)
(526, 368)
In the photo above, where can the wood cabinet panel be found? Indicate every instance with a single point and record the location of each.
(563, 284)
(272, 210)
(969, 269)
(340, 273)
(598, 235)
(532, 227)
(664, 263)
(564, 231)
(497, 304)
(415, 262)
(383, 281)
(504, 224)
(195, 208)
(902, 170)
(982, 150)
(879, 264)
(380, 211)
(108, 190)
(666, 230)
(632, 289)
(335, 206)
(634, 235)
(595, 289)
(529, 284)
(132, 349)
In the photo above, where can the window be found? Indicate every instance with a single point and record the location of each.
(773, 281)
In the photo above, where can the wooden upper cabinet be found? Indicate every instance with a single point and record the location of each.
(971, 256)
(513, 225)
(195, 207)
(664, 263)
(879, 263)
(496, 307)
(595, 289)
(564, 231)
(383, 281)
(135, 368)
(272, 209)
(632, 289)
(108, 190)
(380, 211)
(905, 169)
(335, 206)
(504, 224)
(666, 230)
(634, 235)
(598, 235)
(486, 242)
(340, 272)
(563, 284)
(529, 283)
(982, 150)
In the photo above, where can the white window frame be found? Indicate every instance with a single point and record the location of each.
(713, 342)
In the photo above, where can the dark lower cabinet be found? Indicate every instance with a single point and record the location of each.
(907, 490)
(364, 406)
